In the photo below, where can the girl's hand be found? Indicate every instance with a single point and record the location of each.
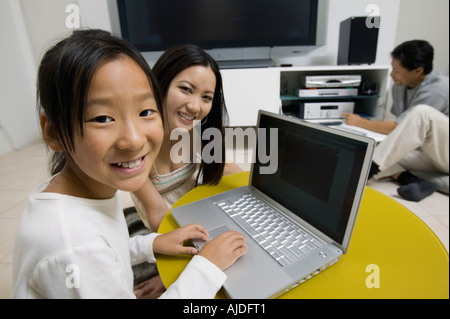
(172, 242)
(225, 249)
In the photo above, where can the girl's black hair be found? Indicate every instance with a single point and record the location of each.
(172, 62)
(64, 78)
(415, 54)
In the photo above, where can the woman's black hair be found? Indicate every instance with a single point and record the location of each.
(172, 62)
(415, 54)
(64, 78)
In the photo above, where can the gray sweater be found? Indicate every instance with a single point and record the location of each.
(433, 91)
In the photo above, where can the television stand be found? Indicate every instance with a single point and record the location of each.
(245, 64)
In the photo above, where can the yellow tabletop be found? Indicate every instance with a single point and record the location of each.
(392, 253)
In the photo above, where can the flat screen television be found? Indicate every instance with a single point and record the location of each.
(155, 25)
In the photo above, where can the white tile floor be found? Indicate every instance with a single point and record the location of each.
(22, 170)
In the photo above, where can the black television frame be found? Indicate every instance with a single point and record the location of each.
(310, 40)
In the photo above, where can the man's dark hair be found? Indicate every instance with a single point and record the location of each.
(415, 54)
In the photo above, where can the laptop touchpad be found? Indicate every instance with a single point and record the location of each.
(213, 233)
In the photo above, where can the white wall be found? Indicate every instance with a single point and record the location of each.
(431, 24)
(18, 125)
(45, 22)
(95, 14)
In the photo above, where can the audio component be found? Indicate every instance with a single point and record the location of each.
(324, 110)
(332, 81)
(327, 92)
(357, 41)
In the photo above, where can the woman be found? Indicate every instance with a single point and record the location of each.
(191, 86)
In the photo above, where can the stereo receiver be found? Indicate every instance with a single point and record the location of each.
(325, 110)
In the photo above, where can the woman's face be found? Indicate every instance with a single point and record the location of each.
(189, 97)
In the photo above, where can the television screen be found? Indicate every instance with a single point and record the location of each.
(155, 25)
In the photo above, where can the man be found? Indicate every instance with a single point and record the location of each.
(417, 140)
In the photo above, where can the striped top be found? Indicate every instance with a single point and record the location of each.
(168, 182)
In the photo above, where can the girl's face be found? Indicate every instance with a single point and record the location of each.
(122, 131)
(189, 97)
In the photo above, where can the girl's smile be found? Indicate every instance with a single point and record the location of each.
(130, 166)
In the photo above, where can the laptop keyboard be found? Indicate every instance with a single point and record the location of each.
(281, 238)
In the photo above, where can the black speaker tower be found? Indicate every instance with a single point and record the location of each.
(358, 39)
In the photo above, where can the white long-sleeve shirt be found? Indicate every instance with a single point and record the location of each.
(69, 247)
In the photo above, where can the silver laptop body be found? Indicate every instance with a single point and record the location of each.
(316, 190)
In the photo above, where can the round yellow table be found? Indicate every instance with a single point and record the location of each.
(392, 253)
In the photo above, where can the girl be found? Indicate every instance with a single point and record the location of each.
(191, 85)
(100, 114)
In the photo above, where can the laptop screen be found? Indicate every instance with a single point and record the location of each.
(317, 174)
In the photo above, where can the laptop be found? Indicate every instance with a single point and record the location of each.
(298, 217)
